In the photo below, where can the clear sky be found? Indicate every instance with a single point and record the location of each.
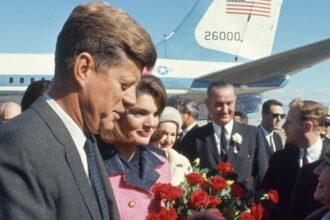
(32, 27)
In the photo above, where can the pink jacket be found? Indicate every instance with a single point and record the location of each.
(135, 203)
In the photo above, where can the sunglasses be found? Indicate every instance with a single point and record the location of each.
(276, 115)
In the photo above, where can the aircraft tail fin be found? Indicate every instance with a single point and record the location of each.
(224, 30)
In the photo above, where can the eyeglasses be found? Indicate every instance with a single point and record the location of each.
(276, 115)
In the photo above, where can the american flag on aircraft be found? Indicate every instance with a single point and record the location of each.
(249, 7)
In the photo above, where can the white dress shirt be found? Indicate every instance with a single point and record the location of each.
(75, 131)
(267, 136)
(313, 152)
(217, 133)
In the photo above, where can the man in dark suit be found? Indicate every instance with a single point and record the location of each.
(271, 116)
(50, 166)
(303, 127)
(302, 202)
(189, 111)
(226, 140)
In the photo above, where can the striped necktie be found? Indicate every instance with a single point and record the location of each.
(95, 179)
(305, 158)
(223, 143)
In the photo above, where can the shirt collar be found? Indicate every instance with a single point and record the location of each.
(189, 128)
(75, 131)
(228, 127)
(266, 133)
(314, 151)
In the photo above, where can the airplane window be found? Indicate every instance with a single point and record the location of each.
(32, 79)
(43, 78)
(11, 80)
(21, 80)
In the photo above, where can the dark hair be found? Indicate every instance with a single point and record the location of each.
(241, 114)
(152, 85)
(110, 35)
(268, 104)
(34, 91)
(184, 105)
(218, 85)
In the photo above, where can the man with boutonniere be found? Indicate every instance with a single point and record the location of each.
(224, 140)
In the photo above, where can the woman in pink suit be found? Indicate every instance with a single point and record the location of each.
(134, 166)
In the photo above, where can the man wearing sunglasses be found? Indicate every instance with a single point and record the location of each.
(303, 126)
(272, 114)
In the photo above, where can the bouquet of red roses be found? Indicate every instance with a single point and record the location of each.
(218, 194)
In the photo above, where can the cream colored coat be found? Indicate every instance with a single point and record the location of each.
(180, 166)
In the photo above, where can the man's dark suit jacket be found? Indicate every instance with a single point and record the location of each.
(249, 161)
(41, 173)
(302, 201)
(178, 144)
(281, 175)
(264, 143)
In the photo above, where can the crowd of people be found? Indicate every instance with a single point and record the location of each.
(92, 143)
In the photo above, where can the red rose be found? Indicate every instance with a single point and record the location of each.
(257, 210)
(225, 167)
(273, 196)
(199, 198)
(218, 183)
(214, 201)
(215, 213)
(194, 179)
(237, 191)
(152, 216)
(167, 192)
(182, 217)
(167, 214)
(247, 216)
(156, 188)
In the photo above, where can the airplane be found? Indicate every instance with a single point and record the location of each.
(218, 40)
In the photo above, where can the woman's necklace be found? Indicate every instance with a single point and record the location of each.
(133, 154)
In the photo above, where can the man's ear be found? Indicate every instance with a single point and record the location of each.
(83, 66)
(308, 126)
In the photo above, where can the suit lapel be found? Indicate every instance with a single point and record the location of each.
(231, 153)
(269, 149)
(211, 143)
(278, 141)
(113, 210)
(324, 147)
(60, 132)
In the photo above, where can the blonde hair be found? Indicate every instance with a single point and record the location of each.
(310, 110)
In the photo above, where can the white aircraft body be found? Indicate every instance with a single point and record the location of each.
(219, 40)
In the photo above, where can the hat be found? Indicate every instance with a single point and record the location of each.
(170, 114)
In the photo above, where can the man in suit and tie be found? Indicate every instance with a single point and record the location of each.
(271, 114)
(224, 140)
(189, 111)
(303, 126)
(50, 166)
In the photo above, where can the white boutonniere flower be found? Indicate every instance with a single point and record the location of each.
(237, 139)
